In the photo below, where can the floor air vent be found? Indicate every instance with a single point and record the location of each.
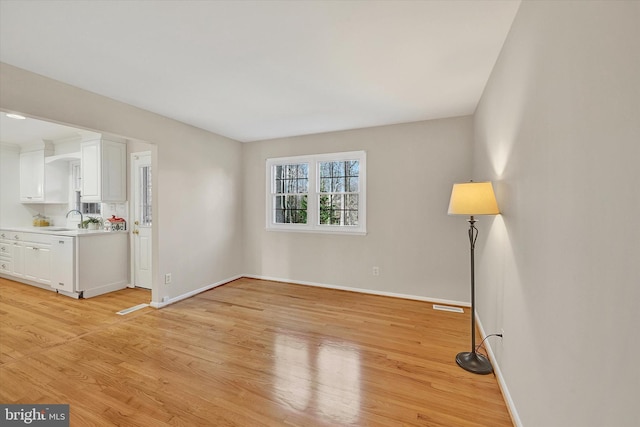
(130, 309)
(448, 308)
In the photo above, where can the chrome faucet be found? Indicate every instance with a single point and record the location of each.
(81, 217)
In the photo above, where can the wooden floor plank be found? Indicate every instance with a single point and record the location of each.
(249, 353)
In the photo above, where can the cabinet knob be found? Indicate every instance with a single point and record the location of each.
(4, 267)
(136, 232)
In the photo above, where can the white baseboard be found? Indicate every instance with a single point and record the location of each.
(360, 290)
(104, 289)
(501, 382)
(192, 293)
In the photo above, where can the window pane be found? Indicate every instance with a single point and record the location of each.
(146, 216)
(352, 185)
(325, 209)
(339, 177)
(290, 209)
(291, 178)
(339, 209)
(351, 218)
(303, 185)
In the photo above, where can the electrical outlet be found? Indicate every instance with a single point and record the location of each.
(167, 278)
(376, 271)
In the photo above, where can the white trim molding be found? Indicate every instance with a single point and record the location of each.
(168, 301)
(360, 290)
(501, 382)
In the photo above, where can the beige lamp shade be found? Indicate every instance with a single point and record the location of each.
(473, 198)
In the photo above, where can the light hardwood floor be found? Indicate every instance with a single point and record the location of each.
(249, 353)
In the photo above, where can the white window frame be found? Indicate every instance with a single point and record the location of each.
(313, 222)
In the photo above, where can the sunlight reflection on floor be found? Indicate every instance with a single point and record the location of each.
(334, 368)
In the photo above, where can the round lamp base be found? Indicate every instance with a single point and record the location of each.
(474, 362)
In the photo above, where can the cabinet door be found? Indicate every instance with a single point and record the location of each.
(90, 171)
(32, 176)
(103, 171)
(62, 263)
(44, 254)
(37, 263)
(31, 268)
(18, 259)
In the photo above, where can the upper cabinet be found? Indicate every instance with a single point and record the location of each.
(104, 170)
(40, 181)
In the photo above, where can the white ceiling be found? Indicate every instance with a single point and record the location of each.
(253, 70)
(31, 131)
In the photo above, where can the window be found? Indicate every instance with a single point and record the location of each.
(86, 208)
(143, 211)
(318, 193)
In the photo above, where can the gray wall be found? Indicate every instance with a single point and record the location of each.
(198, 177)
(558, 129)
(419, 249)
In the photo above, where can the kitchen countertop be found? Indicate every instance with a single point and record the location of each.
(61, 231)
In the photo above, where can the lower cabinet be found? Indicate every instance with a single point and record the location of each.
(41, 258)
(84, 266)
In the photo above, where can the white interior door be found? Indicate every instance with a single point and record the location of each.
(142, 219)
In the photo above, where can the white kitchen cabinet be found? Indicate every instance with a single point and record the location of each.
(37, 262)
(82, 263)
(42, 182)
(103, 170)
(32, 176)
(44, 259)
(62, 263)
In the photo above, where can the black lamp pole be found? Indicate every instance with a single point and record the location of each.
(473, 361)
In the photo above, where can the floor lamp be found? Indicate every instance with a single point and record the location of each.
(473, 198)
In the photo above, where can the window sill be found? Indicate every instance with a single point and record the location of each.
(317, 231)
